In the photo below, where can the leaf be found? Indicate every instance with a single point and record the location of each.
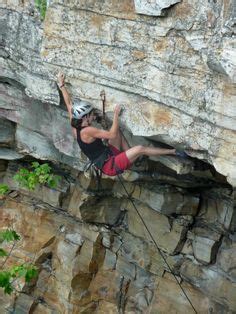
(37, 3)
(15, 235)
(16, 177)
(5, 282)
(8, 289)
(4, 278)
(24, 172)
(9, 235)
(41, 174)
(22, 177)
(53, 181)
(32, 181)
(3, 253)
(35, 164)
(31, 273)
(45, 168)
(3, 189)
(57, 178)
(18, 271)
(43, 178)
(22, 271)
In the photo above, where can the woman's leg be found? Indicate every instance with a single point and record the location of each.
(136, 151)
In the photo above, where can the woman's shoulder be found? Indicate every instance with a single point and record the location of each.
(89, 130)
(88, 134)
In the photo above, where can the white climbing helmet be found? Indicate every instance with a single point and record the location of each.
(80, 108)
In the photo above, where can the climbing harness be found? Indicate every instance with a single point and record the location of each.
(95, 166)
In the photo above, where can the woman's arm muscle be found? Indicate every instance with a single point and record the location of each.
(97, 133)
(103, 134)
(66, 96)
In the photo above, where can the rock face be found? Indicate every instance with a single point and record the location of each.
(175, 74)
(153, 7)
(95, 256)
(172, 65)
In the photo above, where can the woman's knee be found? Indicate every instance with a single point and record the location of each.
(134, 152)
(139, 149)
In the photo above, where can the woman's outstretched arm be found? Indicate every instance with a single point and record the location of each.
(91, 132)
(66, 96)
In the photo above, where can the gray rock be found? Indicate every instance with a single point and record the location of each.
(163, 78)
(212, 283)
(226, 258)
(24, 303)
(125, 268)
(225, 62)
(204, 249)
(205, 244)
(101, 210)
(75, 238)
(164, 199)
(216, 210)
(153, 7)
(109, 262)
(176, 77)
(170, 237)
(9, 154)
(7, 133)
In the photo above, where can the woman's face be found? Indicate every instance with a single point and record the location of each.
(91, 117)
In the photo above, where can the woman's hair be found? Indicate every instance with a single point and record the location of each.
(76, 123)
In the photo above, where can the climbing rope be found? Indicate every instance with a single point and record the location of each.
(103, 97)
(159, 250)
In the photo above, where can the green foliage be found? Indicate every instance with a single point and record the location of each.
(5, 282)
(9, 235)
(3, 253)
(7, 277)
(41, 5)
(3, 189)
(31, 273)
(41, 174)
(28, 272)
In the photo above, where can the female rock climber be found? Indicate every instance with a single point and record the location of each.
(117, 156)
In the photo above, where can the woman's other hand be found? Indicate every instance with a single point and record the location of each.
(60, 79)
(117, 110)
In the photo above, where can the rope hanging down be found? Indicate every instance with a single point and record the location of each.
(159, 250)
(103, 98)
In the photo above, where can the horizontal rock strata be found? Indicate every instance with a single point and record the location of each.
(171, 65)
(175, 75)
(94, 254)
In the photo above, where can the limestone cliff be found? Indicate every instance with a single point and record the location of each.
(171, 64)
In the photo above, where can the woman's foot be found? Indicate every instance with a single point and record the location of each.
(181, 153)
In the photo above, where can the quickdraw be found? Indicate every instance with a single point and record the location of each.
(103, 98)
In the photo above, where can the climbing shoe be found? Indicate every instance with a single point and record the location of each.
(180, 153)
